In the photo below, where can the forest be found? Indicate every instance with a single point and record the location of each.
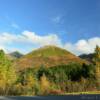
(57, 80)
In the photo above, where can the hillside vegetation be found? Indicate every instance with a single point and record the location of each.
(14, 55)
(47, 56)
(72, 76)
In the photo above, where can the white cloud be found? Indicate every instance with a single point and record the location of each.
(83, 46)
(27, 39)
(3, 48)
(41, 40)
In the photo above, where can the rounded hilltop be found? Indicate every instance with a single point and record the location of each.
(48, 56)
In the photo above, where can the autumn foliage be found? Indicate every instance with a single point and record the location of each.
(56, 80)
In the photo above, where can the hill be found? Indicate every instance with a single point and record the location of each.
(46, 56)
(14, 55)
(88, 57)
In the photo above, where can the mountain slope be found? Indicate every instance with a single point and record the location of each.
(14, 55)
(48, 56)
(88, 57)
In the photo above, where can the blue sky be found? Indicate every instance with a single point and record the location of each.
(69, 22)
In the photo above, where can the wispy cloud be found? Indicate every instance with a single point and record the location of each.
(11, 23)
(14, 25)
(57, 19)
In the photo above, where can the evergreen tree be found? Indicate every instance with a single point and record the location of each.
(97, 63)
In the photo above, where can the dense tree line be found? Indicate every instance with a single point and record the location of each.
(61, 78)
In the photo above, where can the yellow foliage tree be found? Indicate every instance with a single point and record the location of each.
(97, 63)
(44, 85)
(30, 81)
(7, 74)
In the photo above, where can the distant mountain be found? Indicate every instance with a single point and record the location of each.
(88, 57)
(14, 55)
(47, 56)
